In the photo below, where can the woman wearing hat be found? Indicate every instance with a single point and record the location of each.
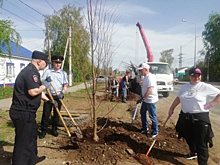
(194, 123)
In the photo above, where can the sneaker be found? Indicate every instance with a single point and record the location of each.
(191, 156)
(124, 101)
(144, 131)
(152, 135)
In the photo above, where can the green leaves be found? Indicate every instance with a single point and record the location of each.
(7, 34)
(58, 26)
(166, 56)
(211, 39)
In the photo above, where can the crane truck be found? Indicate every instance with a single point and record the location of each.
(161, 70)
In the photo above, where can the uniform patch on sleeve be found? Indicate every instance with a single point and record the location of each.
(35, 78)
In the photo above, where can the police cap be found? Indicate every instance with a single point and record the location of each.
(57, 58)
(40, 55)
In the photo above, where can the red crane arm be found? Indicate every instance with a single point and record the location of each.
(146, 44)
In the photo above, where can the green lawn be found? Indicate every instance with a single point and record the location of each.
(6, 92)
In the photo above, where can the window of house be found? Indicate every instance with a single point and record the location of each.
(10, 69)
(22, 65)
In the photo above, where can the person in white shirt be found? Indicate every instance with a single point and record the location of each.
(194, 123)
(149, 98)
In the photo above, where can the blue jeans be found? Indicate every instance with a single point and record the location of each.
(124, 88)
(151, 108)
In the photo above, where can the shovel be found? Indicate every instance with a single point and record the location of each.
(78, 130)
(58, 112)
(144, 157)
(61, 118)
(135, 112)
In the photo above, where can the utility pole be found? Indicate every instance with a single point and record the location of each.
(48, 42)
(195, 41)
(208, 70)
(180, 57)
(70, 58)
(64, 56)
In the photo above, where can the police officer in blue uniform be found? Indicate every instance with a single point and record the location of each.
(60, 82)
(27, 95)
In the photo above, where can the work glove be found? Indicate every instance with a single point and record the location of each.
(139, 100)
(207, 106)
(55, 103)
(60, 96)
(47, 81)
(170, 113)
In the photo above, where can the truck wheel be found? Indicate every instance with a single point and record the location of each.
(165, 94)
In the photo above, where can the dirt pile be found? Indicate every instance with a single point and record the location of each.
(119, 142)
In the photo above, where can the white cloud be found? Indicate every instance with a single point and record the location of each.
(131, 44)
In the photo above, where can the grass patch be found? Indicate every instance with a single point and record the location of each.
(6, 128)
(6, 92)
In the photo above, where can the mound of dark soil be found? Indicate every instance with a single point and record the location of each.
(120, 142)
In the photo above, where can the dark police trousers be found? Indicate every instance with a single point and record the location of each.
(26, 130)
(46, 115)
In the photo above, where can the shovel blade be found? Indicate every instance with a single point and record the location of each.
(143, 159)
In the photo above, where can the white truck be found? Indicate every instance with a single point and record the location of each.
(164, 77)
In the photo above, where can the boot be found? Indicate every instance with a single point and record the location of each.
(124, 100)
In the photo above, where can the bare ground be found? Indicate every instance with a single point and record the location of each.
(119, 140)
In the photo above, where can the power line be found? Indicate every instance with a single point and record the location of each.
(32, 8)
(50, 5)
(22, 10)
(21, 18)
(28, 30)
(186, 44)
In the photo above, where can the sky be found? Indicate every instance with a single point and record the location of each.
(160, 19)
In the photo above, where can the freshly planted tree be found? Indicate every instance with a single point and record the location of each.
(100, 24)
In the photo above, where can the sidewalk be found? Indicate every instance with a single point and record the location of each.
(5, 104)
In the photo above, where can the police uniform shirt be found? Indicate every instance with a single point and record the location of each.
(59, 78)
(28, 78)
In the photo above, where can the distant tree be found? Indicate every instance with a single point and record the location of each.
(166, 56)
(58, 29)
(211, 40)
(8, 33)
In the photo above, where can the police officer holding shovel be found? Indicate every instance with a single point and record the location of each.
(27, 95)
(60, 82)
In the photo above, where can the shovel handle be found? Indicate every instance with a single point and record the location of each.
(135, 112)
(166, 121)
(58, 112)
(150, 147)
(66, 109)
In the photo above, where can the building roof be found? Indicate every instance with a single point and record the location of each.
(17, 51)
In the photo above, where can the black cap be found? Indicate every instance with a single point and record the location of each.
(57, 58)
(41, 56)
(194, 71)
